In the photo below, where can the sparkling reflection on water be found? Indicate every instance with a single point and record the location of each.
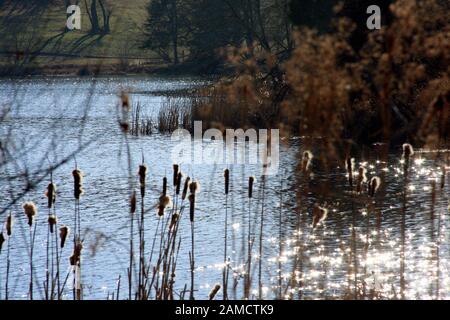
(333, 261)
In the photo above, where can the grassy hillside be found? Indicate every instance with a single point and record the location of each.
(44, 32)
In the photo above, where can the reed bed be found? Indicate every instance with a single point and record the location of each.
(175, 113)
(140, 123)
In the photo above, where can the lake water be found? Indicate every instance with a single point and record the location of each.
(50, 118)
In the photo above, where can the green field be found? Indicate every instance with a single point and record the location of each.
(44, 33)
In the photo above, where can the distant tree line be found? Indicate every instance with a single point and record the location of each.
(196, 29)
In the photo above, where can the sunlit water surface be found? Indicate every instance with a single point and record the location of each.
(51, 118)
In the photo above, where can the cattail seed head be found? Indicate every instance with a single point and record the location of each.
(124, 126)
(2, 240)
(142, 174)
(306, 161)
(251, 181)
(226, 175)
(52, 221)
(176, 169)
(191, 206)
(133, 203)
(178, 184)
(51, 194)
(408, 151)
(374, 184)
(174, 220)
(319, 214)
(164, 191)
(75, 258)
(362, 179)
(194, 187)
(213, 292)
(164, 203)
(350, 163)
(77, 183)
(9, 224)
(64, 232)
(444, 174)
(187, 182)
(30, 211)
(125, 101)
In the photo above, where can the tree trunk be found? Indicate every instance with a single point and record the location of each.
(106, 15)
(175, 31)
(94, 18)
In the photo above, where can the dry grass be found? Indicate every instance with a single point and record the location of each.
(175, 113)
(395, 88)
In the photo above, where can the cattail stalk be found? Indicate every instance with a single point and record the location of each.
(306, 161)
(247, 279)
(194, 188)
(30, 212)
(362, 179)
(142, 178)
(131, 258)
(261, 231)
(349, 163)
(64, 233)
(77, 192)
(192, 253)
(226, 175)
(9, 229)
(280, 242)
(408, 152)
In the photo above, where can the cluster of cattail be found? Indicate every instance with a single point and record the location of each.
(64, 232)
(306, 161)
(142, 174)
(51, 194)
(30, 211)
(374, 184)
(319, 214)
(362, 179)
(77, 183)
(350, 164)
